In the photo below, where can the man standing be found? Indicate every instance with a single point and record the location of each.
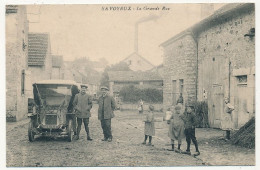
(82, 104)
(106, 107)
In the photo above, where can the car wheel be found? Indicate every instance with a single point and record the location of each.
(31, 134)
(70, 131)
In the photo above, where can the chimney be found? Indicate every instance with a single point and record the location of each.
(141, 20)
(136, 37)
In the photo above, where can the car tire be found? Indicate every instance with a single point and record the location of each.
(31, 134)
(70, 131)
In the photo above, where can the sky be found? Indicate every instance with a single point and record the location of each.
(94, 32)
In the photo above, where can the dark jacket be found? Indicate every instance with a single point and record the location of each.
(189, 119)
(109, 107)
(82, 104)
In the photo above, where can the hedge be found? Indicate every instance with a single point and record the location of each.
(132, 93)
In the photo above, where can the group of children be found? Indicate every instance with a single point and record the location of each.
(181, 123)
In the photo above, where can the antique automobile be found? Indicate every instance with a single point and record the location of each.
(52, 109)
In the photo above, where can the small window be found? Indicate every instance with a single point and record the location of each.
(130, 62)
(23, 82)
(242, 80)
(181, 85)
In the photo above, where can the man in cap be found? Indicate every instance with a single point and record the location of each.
(106, 107)
(82, 104)
(190, 122)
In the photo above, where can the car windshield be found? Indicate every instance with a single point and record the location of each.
(54, 94)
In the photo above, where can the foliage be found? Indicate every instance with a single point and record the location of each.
(201, 111)
(133, 94)
(121, 66)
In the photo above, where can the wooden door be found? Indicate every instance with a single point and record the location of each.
(216, 71)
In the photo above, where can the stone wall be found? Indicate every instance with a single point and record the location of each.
(179, 63)
(16, 64)
(234, 55)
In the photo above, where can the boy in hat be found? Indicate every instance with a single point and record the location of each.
(189, 120)
(106, 107)
(82, 104)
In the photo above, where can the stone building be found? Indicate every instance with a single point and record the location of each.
(179, 69)
(18, 83)
(137, 62)
(212, 60)
(57, 67)
(119, 79)
(39, 56)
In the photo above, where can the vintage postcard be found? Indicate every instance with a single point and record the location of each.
(130, 85)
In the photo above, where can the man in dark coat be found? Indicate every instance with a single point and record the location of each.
(106, 107)
(82, 104)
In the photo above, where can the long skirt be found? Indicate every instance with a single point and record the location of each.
(149, 128)
(176, 132)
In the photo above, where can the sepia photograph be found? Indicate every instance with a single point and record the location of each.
(130, 85)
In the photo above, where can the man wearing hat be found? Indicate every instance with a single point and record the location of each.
(190, 122)
(82, 104)
(106, 107)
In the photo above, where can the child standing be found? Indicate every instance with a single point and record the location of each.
(168, 115)
(189, 119)
(149, 129)
(176, 128)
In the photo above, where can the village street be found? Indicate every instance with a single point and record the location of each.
(125, 149)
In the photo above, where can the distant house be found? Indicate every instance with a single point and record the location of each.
(138, 63)
(119, 79)
(57, 67)
(39, 56)
(212, 60)
(18, 83)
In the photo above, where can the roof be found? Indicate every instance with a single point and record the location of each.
(37, 48)
(219, 15)
(57, 81)
(57, 61)
(135, 53)
(130, 76)
(11, 9)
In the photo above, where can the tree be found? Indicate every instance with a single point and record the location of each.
(121, 66)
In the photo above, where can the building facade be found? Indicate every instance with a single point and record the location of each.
(212, 60)
(18, 83)
(39, 56)
(119, 79)
(57, 67)
(138, 63)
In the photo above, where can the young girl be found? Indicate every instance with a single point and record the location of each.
(149, 129)
(176, 128)
(168, 115)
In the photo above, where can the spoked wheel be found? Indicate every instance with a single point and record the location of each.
(70, 131)
(31, 134)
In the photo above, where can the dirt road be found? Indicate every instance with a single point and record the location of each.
(125, 149)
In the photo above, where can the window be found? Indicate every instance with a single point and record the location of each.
(23, 82)
(242, 80)
(130, 62)
(174, 94)
(181, 86)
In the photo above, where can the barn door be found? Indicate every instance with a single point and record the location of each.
(216, 90)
